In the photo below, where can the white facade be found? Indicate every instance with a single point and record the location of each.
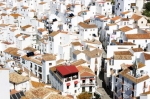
(5, 89)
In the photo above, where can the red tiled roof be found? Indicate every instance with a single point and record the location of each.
(66, 70)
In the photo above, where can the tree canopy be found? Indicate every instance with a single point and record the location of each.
(147, 6)
(146, 12)
(84, 95)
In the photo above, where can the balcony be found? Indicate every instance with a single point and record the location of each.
(40, 71)
(88, 84)
(73, 78)
(67, 79)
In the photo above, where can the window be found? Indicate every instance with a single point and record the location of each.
(23, 61)
(83, 89)
(142, 22)
(124, 23)
(83, 81)
(50, 63)
(75, 85)
(75, 91)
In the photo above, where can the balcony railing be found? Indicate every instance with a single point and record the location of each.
(88, 84)
(40, 71)
(73, 78)
(67, 79)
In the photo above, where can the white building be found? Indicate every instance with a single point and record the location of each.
(5, 88)
(65, 79)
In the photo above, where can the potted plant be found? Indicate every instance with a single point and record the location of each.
(20, 71)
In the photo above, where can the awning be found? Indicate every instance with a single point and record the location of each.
(92, 78)
(68, 84)
(75, 82)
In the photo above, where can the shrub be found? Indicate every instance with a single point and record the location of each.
(147, 6)
(84, 95)
(146, 13)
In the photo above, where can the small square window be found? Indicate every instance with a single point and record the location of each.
(75, 91)
(75, 85)
(142, 22)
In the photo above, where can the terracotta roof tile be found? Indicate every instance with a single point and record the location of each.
(99, 16)
(54, 33)
(86, 26)
(137, 49)
(42, 30)
(15, 15)
(16, 78)
(147, 56)
(125, 19)
(123, 53)
(26, 26)
(116, 18)
(48, 57)
(14, 8)
(78, 62)
(122, 57)
(42, 3)
(126, 12)
(30, 49)
(25, 36)
(138, 36)
(85, 71)
(3, 14)
(76, 43)
(136, 17)
(112, 24)
(125, 29)
(140, 65)
(25, 7)
(17, 35)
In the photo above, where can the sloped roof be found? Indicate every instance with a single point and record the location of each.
(85, 71)
(66, 70)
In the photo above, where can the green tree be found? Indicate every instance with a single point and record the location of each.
(113, 2)
(84, 95)
(147, 6)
